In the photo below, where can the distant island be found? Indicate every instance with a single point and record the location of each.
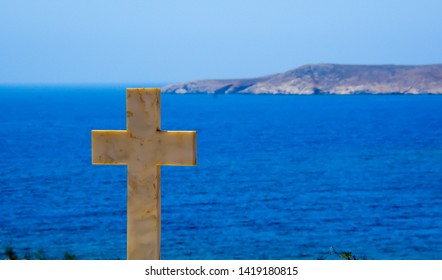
(328, 79)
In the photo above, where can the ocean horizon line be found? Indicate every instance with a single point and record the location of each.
(84, 85)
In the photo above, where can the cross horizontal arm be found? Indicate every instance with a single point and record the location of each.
(109, 147)
(177, 148)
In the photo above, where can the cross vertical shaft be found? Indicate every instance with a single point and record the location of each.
(143, 147)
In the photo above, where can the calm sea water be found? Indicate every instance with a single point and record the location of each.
(278, 177)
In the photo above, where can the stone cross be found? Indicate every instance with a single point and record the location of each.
(143, 147)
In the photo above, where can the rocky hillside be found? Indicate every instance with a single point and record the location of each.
(328, 79)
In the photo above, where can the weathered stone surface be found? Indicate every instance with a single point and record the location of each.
(143, 147)
(328, 79)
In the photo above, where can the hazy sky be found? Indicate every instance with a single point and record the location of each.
(151, 41)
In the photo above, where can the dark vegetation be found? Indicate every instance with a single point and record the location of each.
(10, 254)
(343, 255)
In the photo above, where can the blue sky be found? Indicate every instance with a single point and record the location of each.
(161, 41)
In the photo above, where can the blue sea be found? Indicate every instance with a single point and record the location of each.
(277, 177)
